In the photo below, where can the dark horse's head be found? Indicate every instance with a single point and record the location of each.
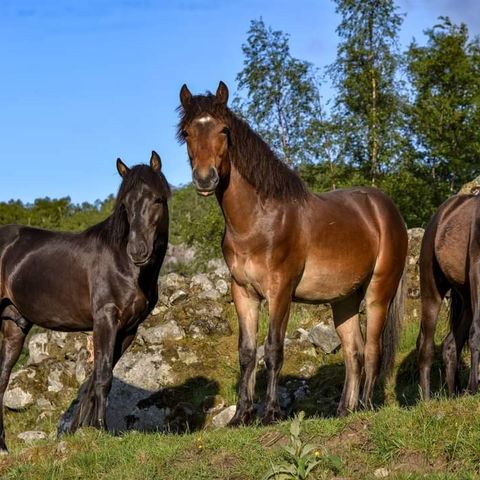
(142, 205)
(205, 127)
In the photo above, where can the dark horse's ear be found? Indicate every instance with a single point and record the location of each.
(155, 162)
(185, 96)
(222, 93)
(122, 168)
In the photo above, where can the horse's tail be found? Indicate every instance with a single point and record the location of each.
(456, 309)
(391, 330)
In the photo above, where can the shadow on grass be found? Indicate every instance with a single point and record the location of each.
(176, 409)
(317, 396)
(407, 389)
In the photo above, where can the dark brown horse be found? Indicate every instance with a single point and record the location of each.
(450, 260)
(103, 279)
(283, 243)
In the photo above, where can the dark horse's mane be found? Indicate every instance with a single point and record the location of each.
(114, 229)
(252, 157)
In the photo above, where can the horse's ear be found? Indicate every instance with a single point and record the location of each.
(222, 93)
(185, 96)
(122, 168)
(155, 162)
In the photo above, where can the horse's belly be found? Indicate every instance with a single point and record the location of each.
(323, 285)
(50, 294)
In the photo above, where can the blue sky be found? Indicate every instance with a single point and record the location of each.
(85, 81)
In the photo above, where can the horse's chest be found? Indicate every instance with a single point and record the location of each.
(246, 271)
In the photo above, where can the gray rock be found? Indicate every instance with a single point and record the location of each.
(148, 419)
(83, 367)
(54, 382)
(301, 334)
(17, 399)
(172, 281)
(178, 255)
(212, 294)
(222, 418)
(177, 297)
(221, 286)
(325, 337)
(38, 348)
(201, 281)
(32, 435)
(187, 357)
(284, 398)
(196, 332)
(148, 371)
(167, 331)
(215, 263)
(44, 404)
(58, 338)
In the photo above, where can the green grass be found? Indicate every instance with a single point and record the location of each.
(439, 439)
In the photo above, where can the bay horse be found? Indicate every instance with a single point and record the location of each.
(103, 279)
(283, 244)
(450, 261)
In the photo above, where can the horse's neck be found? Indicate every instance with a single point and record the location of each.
(239, 202)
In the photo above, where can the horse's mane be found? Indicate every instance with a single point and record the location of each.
(114, 229)
(252, 157)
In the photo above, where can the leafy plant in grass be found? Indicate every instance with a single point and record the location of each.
(299, 457)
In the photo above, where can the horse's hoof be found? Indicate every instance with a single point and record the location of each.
(241, 418)
(342, 411)
(271, 416)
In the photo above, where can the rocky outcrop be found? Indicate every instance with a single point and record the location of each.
(471, 187)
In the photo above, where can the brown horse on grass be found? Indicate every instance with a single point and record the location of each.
(103, 279)
(283, 243)
(450, 260)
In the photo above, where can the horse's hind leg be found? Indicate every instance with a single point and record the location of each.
(433, 287)
(347, 324)
(12, 343)
(460, 322)
(474, 338)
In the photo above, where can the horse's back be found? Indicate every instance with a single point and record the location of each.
(447, 237)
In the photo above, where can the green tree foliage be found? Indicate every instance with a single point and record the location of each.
(368, 103)
(444, 115)
(281, 96)
(196, 221)
(55, 214)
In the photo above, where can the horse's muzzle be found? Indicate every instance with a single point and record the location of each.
(205, 184)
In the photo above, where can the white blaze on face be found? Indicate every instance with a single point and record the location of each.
(204, 119)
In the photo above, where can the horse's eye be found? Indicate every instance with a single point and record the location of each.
(225, 130)
(184, 134)
(158, 200)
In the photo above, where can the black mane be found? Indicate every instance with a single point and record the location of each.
(114, 229)
(252, 157)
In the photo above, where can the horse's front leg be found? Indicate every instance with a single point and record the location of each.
(279, 302)
(247, 304)
(92, 406)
